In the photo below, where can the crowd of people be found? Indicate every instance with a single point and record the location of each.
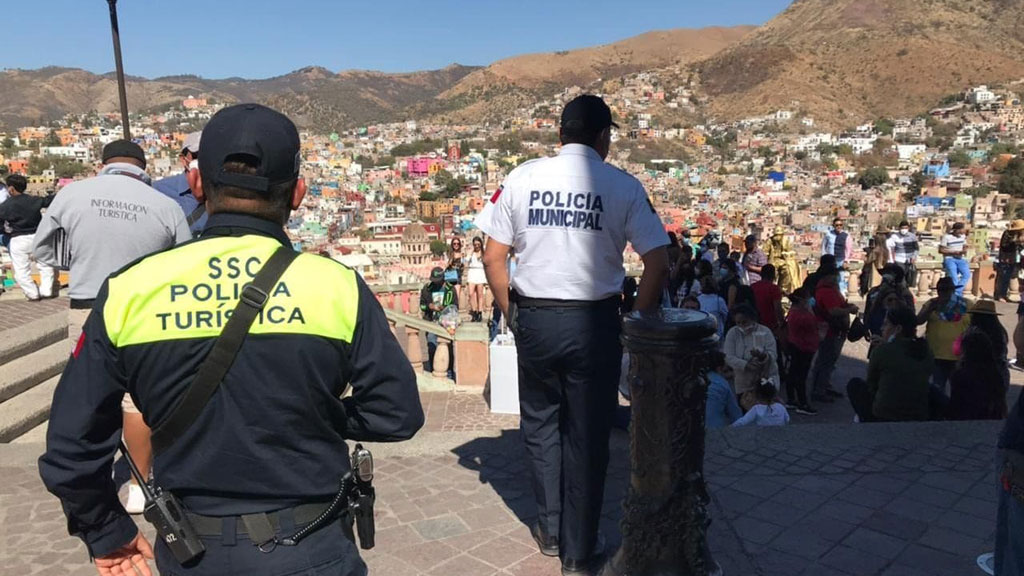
(781, 336)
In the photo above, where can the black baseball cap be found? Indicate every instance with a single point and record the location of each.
(250, 133)
(437, 273)
(124, 149)
(587, 112)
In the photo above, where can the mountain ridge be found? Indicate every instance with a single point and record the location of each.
(319, 98)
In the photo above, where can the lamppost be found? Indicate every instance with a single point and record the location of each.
(122, 94)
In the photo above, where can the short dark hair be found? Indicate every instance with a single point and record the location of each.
(18, 182)
(904, 223)
(905, 318)
(768, 272)
(274, 204)
(836, 219)
(579, 135)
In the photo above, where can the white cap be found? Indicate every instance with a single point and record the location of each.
(192, 142)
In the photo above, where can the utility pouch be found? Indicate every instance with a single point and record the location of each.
(362, 496)
(513, 314)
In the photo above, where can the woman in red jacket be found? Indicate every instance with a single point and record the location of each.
(803, 335)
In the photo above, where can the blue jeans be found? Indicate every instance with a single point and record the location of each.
(959, 271)
(844, 279)
(1009, 534)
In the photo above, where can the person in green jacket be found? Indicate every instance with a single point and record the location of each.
(897, 386)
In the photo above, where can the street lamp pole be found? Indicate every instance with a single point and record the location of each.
(122, 94)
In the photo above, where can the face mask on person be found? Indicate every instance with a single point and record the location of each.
(904, 231)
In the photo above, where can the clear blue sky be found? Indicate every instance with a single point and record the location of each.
(262, 38)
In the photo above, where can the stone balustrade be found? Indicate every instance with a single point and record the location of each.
(402, 308)
(983, 279)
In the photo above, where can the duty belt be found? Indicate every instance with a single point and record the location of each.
(259, 527)
(525, 302)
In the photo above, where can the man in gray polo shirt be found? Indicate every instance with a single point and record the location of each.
(95, 227)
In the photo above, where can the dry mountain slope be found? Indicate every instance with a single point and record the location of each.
(490, 92)
(323, 100)
(315, 97)
(847, 60)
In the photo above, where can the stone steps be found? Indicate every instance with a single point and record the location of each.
(32, 357)
(27, 410)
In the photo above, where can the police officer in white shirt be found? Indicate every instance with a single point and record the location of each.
(569, 218)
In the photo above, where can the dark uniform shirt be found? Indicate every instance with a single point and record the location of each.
(1012, 437)
(21, 213)
(273, 434)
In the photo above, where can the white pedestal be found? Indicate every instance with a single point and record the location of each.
(504, 378)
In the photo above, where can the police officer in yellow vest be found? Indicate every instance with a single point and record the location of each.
(263, 455)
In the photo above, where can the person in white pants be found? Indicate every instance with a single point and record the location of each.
(21, 215)
(21, 256)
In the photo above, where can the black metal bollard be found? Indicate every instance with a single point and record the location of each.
(665, 520)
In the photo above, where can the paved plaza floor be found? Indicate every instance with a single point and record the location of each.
(818, 498)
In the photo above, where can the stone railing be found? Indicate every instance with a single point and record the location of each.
(402, 307)
(983, 279)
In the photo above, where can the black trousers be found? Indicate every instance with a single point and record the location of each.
(861, 399)
(326, 552)
(569, 363)
(796, 378)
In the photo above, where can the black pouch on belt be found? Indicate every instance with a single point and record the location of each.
(513, 313)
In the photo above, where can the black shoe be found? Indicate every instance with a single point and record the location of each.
(589, 567)
(806, 411)
(824, 398)
(834, 393)
(548, 545)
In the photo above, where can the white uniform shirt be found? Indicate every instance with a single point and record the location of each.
(569, 218)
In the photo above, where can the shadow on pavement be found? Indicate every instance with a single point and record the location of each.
(501, 462)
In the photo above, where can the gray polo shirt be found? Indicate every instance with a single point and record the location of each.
(96, 226)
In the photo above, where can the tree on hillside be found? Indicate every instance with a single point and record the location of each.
(51, 139)
(826, 149)
(853, 206)
(845, 150)
(62, 167)
(959, 159)
(884, 126)
(1012, 180)
(463, 148)
(1000, 148)
(873, 177)
(917, 182)
(438, 247)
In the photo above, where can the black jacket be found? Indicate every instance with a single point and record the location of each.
(21, 213)
(273, 434)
